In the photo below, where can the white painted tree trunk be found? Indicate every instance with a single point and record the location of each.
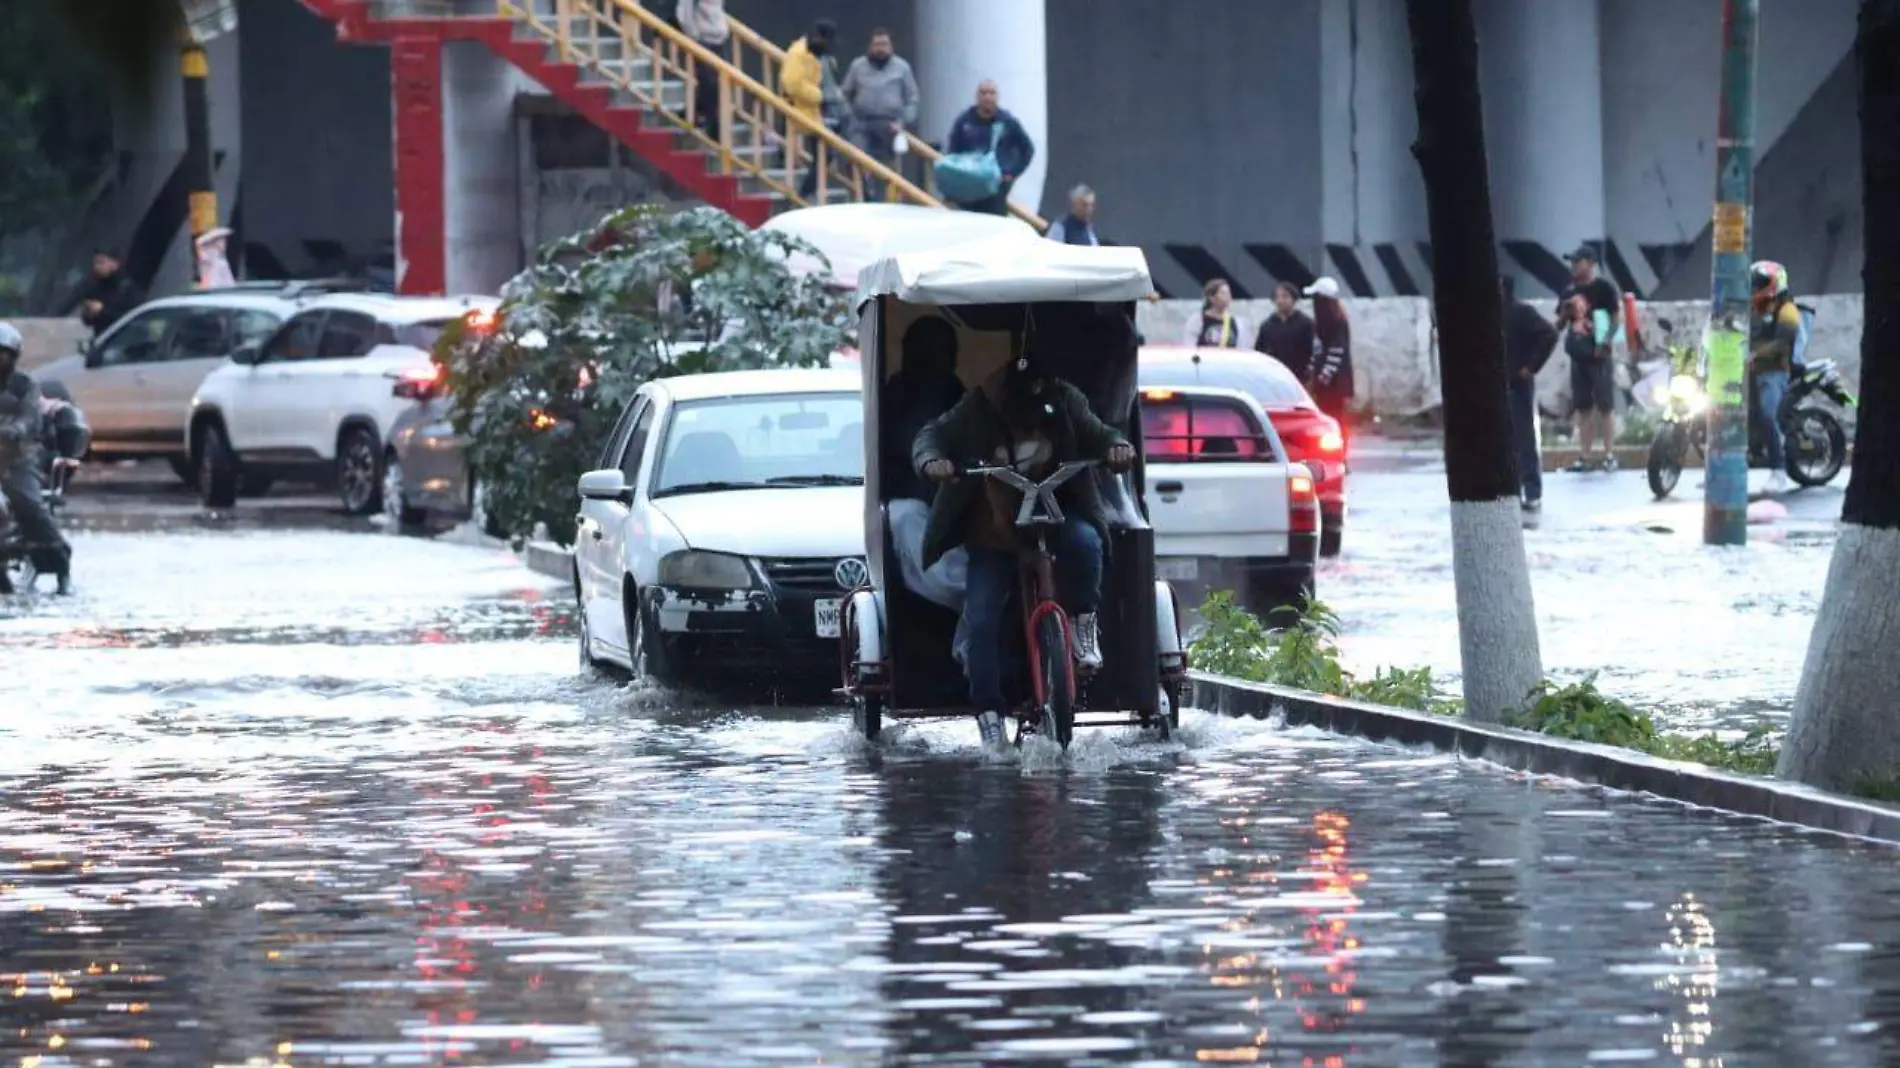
(1497, 617)
(1846, 725)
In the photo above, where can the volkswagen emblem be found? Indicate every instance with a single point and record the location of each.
(851, 573)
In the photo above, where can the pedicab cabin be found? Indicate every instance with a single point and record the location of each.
(961, 314)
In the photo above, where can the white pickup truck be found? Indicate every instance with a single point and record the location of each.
(1229, 511)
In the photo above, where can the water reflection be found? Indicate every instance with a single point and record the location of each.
(1694, 980)
(1015, 902)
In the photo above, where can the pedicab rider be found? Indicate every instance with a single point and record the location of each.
(1034, 422)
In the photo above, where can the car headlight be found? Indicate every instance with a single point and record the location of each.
(705, 571)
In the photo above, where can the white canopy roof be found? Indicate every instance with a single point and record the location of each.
(1007, 269)
(854, 236)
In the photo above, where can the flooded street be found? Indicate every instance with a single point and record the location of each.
(292, 793)
(1700, 637)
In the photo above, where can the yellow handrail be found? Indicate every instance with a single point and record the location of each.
(772, 57)
(672, 54)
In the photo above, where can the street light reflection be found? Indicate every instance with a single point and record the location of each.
(1692, 943)
(1321, 1001)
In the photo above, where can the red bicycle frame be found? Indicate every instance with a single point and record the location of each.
(1039, 601)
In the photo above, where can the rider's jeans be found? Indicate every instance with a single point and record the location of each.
(1770, 387)
(1077, 546)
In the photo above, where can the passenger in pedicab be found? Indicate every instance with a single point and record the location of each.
(1034, 422)
(925, 386)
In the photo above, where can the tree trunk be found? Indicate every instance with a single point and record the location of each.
(1845, 732)
(1497, 620)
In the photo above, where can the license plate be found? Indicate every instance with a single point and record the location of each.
(1178, 570)
(825, 616)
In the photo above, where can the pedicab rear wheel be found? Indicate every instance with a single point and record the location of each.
(1058, 679)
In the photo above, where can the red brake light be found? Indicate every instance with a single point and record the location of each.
(1332, 441)
(480, 321)
(1157, 394)
(1302, 505)
(420, 383)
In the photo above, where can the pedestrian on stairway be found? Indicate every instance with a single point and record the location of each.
(705, 22)
(801, 80)
(881, 95)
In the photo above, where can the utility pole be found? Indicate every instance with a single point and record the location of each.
(1725, 483)
(202, 21)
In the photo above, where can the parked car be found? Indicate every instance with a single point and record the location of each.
(313, 402)
(725, 525)
(1229, 510)
(1311, 437)
(135, 382)
(426, 477)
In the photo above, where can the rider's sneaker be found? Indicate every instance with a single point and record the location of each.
(1777, 482)
(65, 584)
(1580, 465)
(1085, 640)
(1609, 462)
(1531, 505)
(990, 724)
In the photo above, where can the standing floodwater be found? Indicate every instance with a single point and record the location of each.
(312, 797)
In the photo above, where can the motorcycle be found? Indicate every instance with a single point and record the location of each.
(65, 439)
(1814, 444)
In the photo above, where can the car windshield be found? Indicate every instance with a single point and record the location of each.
(783, 440)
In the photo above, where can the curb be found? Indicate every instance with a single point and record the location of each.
(1601, 765)
(547, 558)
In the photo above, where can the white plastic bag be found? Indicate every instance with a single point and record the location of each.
(901, 144)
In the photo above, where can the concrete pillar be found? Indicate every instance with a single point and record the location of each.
(1373, 211)
(481, 179)
(1543, 115)
(959, 45)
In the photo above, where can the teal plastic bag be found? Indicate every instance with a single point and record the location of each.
(968, 177)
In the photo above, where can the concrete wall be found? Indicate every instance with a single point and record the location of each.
(1395, 363)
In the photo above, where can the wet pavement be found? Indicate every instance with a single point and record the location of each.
(1701, 637)
(285, 792)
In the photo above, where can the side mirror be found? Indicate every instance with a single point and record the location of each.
(247, 354)
(606, 485)
(89, 348)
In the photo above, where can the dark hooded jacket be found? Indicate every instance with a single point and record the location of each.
(975, 429)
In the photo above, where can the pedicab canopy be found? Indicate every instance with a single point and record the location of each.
(1009, 269)
(853, 236)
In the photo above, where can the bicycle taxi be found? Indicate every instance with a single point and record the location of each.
(1006, 298)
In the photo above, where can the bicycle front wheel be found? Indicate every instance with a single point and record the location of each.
(1058, 679)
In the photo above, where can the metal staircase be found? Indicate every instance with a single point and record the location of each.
(634, 75)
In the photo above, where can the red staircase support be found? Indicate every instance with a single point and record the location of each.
(415, 74)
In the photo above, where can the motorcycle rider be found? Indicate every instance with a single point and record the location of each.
(1771, 343)
(19, 463)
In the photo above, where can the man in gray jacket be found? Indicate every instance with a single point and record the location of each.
(881, 94)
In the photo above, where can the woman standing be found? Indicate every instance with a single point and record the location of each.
(1218, 328)
(1287, 335)
(1331, 383)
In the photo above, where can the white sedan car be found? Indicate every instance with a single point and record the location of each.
(725, 525)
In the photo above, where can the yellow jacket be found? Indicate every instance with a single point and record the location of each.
(801, 80)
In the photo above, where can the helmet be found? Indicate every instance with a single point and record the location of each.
(1767, 282)
(10, 339)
